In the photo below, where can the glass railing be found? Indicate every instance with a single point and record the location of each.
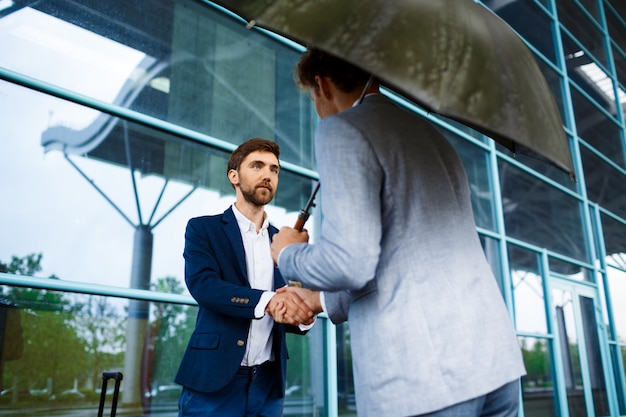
(58, 337)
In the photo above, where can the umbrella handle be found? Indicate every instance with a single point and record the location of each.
(367, 87)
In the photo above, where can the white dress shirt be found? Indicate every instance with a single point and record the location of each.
(260, 268)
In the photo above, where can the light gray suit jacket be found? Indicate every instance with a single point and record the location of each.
(428, 324)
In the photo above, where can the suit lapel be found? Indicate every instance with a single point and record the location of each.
(231, 228)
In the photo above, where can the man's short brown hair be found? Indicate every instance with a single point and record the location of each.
(249, 146)
(315, 62)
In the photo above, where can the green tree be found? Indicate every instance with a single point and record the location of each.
(101, 327)
(53, 353)
(537, 361)
(169, 331)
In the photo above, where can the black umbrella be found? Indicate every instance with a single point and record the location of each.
(453, 57)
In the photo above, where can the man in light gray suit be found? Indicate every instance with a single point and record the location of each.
(400, 257)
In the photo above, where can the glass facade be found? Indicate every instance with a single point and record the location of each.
(116, 122)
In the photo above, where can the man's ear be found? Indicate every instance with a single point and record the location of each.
(323, 84)
(233, 177)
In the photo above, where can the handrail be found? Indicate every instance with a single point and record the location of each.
(93, 289)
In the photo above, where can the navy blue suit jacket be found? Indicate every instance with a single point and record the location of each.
(216, 275)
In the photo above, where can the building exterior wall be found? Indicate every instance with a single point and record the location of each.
(116, 121)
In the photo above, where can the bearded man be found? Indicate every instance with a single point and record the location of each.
(235, 362)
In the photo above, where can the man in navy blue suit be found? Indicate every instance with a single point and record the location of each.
(235, 361)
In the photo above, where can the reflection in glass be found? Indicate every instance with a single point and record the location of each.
(568, 323)
(584, 30)
(345, 380)
(606, 186)
(70, 339)
(528, 291)
(591, 6)
(617, 288)
(614, 241)
(66, 340)
(529, 21)
(619, 57)
(618, 354)
(540, 214)
(597, 129)
(568, 340)
(592, 78)
(569, 270)
(594, 358)
(305, 393)
(475, 161)
(491, 247)
(180, 62)
(538, 384)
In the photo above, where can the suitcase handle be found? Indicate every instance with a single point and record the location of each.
(117, 376)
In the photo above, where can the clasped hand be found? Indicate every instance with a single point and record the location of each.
(295, 306)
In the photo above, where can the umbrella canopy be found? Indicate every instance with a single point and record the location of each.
(453, 57)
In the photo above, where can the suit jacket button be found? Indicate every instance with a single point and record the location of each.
(240, 343)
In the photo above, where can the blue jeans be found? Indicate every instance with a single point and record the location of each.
(253, 392)
(503, 402)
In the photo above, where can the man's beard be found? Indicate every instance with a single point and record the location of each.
(256, 195)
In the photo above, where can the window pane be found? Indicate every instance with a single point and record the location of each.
(616, 27)
(591, 77)
(618, 369)
(582, 28)
(491, 247)
(570, 270)
(617, 288)
(96, 193)
(537, 385)
(594, 357)
(528, 292)
(540, 214)
(475, 162)
(181, 62)
(62, 342)
(595, 128)
(305, 393)
(569, 341)
(614, 233)
(605, 185)
(529, 21)
(345, 380)
(69, 339)
(619, 57)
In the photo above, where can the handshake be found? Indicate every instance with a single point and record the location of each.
(294, 305)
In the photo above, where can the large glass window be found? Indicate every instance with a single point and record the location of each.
(538, 396)
(593, 124)
(614, 233)
(537, 213)
(97, 193)
(528, 291)
(102, 174)
(582, 27)
(605, 184)
(86, 195)
(475, 161)
(177, 61)
(57, 345)
(529, 21)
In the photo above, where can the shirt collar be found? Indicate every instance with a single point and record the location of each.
(246, 225)
(366, 95)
